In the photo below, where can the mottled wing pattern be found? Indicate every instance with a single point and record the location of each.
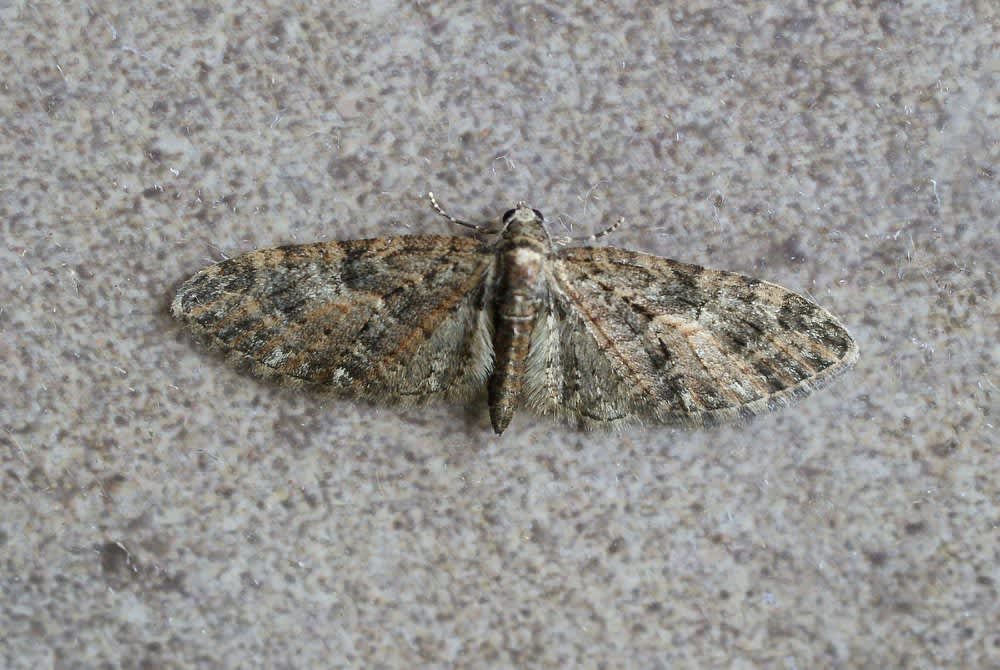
(395, 319)
(633, 337)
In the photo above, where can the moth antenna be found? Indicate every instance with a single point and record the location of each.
(596, 236)
(440, 210)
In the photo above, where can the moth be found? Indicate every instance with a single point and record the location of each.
(598, 336)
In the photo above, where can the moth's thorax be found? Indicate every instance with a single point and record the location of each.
(521, 253)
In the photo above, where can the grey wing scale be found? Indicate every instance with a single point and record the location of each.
(633, 337)
(401, 319)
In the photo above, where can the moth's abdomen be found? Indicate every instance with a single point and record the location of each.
(511, 342)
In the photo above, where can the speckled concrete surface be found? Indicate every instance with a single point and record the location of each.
(160, 510)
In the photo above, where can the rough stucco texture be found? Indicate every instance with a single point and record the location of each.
(159, 509)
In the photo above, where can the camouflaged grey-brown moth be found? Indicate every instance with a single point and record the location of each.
(598, 336)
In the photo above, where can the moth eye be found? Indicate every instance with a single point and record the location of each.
(506, 215)
(538, 214)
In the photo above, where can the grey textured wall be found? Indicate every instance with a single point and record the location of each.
(158, 509)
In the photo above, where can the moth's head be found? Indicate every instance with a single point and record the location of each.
(522, 218)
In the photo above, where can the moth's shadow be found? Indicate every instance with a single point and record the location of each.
(474, 415)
